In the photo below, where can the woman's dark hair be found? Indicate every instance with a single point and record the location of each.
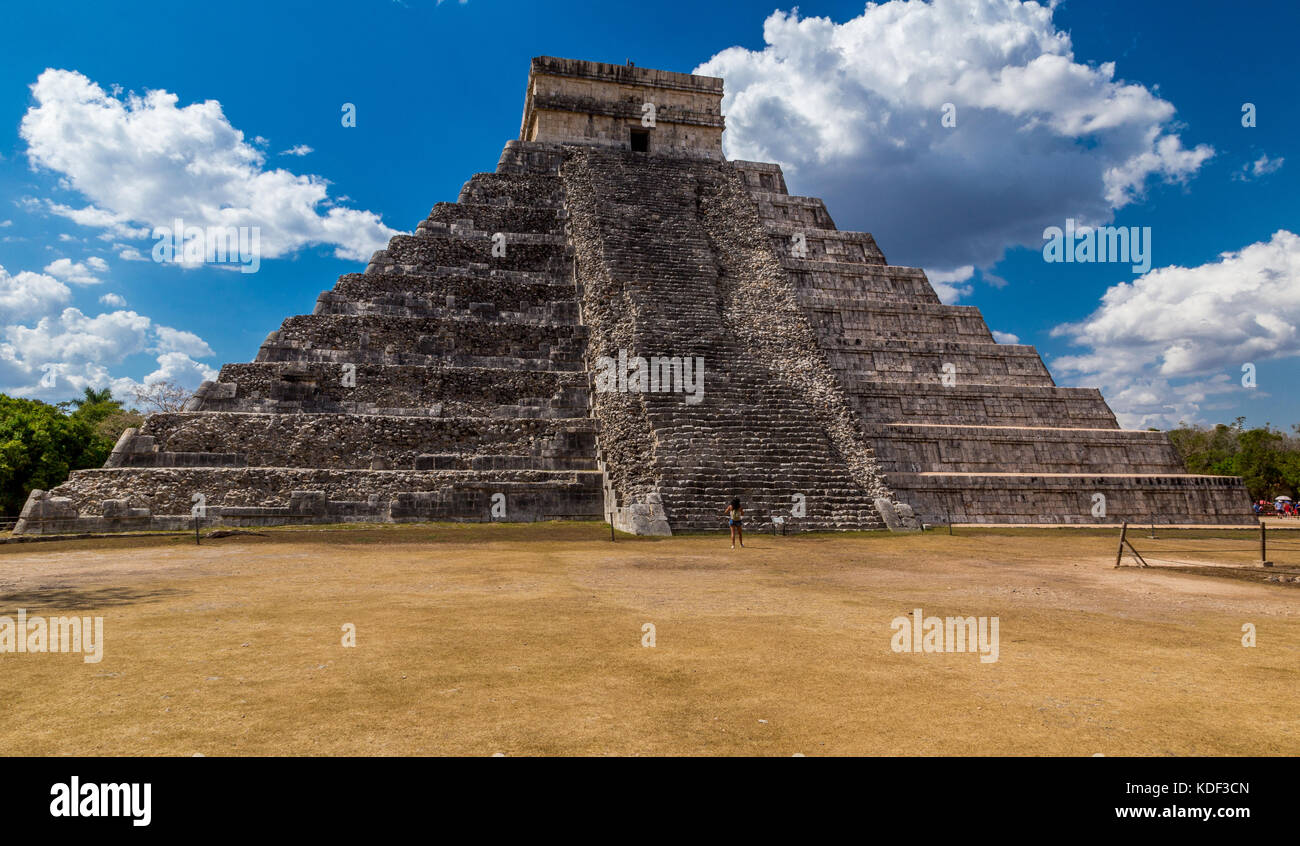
(735, 503)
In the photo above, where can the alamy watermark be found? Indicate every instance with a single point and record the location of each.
(1102, 244)
(95, 799)
(946, 634)
(656, 374)
(55, 634)
(241, 245)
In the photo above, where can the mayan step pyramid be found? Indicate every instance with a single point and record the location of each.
(459, 376)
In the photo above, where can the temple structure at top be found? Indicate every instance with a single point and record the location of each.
(639, 109)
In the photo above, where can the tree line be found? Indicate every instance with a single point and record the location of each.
(42, 443)
(1266, 459)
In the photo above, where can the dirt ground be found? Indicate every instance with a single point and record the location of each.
(528, 640)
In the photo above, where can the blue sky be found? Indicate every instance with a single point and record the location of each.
(846, 98)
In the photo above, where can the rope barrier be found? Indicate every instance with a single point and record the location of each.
(1228, 550)
(1253, 549)
(1172, 561)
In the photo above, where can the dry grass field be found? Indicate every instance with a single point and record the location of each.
(527, 640)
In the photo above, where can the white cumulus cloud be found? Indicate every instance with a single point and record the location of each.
(1262, 166)
(28, 294)
(855, 112)
(65, 350)
(78, 273)
(1172, 343)
(175, 367)
(179, 341)
(141, 161)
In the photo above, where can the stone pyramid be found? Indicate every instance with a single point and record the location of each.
(465, 374)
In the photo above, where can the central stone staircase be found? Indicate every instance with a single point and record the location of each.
(672, 262)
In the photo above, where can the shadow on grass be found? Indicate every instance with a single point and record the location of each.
(66, 598)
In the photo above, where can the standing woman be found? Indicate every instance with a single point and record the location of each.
(735, 513)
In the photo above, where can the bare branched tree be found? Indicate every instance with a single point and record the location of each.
(161, 396)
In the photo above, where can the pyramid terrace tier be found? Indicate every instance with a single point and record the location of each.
(452, 218)
(429, 251)
(1075, 498)
(763, 178)
(432, 391)
(795, 211)
(1005, 405)
(355, 442)
(531, 190)
(830, 246)
(530, 158)
(453, 287)
(853, 322)
(383, 339)
(139, 499)
(913, 448)
(843, 285)
(561, 311)
(930, 362)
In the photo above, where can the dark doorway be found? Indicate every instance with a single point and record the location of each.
(640, 141)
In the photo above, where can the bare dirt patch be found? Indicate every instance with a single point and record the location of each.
(475, 639)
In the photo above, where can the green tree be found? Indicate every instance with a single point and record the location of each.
(1259, 463)
(40, 444)
(1266, 459)
(90, 396)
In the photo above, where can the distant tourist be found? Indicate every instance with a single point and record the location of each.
(734, 512)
